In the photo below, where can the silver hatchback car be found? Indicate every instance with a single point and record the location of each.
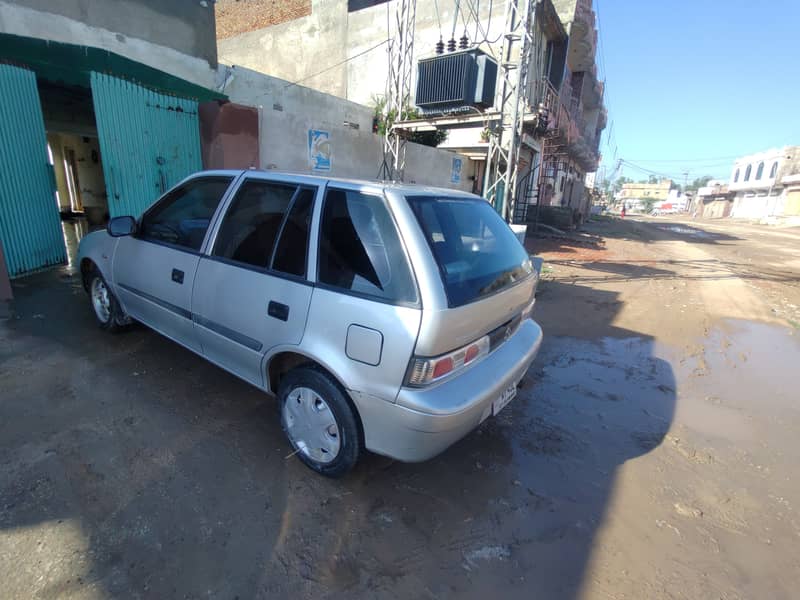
(392, 318)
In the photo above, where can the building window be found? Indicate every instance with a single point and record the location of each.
(747, 172)
(774, 170)
(736, 176)
(760, 170)
(354, 5)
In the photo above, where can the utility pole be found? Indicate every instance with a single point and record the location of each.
(512, 100)
(398, 92)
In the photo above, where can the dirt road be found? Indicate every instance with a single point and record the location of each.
(651, 452)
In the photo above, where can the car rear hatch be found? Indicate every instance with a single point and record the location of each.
(488, 278)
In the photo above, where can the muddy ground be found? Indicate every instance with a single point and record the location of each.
(651, 453)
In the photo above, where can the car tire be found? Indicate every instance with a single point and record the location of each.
(105, 307)
(319, 421)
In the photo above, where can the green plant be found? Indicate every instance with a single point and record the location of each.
(647, 204)
(385, 120)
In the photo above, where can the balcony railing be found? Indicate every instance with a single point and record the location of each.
(565, 120)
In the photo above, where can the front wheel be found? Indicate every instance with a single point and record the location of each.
(319, 421)
(107, 311)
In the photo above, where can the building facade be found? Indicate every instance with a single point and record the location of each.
(100, 113)
(339, 47)
(713, 201)
(657, 191)
(109, 103)
(762, 183)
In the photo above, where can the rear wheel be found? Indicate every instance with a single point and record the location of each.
(319, 421)
(107, 311)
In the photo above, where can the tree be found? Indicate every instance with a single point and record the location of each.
(652, 179)
(698, 183)
(384, 122)
(647, 205)
(617, 187)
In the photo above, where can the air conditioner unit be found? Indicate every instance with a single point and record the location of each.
(448, 82)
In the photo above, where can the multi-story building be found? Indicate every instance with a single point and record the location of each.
(340, 47)
(644, 191)
(762, 184)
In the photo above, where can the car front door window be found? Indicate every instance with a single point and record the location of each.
(182, 217)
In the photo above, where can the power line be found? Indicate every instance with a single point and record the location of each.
(685, 160)
(484, 32)
(341, 62)
(600, 39)
(438, 20)
(678, 175)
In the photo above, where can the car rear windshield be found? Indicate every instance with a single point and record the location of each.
(476, 251)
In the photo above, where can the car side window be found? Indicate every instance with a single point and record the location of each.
(181, 218)
(291, 253)
(253, 222)
(360, 250)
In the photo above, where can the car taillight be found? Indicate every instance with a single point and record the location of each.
(537, 270)
(424, 371)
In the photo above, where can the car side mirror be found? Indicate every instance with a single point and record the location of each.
(121, 226)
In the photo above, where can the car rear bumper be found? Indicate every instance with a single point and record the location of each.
(424, 422)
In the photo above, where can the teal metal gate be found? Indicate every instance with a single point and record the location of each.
(30, 226)
(148, 141)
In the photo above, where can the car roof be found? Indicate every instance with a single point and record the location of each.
(402, 188)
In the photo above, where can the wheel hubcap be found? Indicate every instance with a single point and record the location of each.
(101, 300)
(311, 426)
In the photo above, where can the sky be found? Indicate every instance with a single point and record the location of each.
(697, 79)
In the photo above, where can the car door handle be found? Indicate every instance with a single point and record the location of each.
(177, 276)
(278, 310)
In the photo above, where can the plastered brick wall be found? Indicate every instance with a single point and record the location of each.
(239, 16)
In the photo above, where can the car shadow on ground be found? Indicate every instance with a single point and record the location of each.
(131, 467)
(593, 234)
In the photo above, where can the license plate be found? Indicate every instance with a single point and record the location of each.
(504, 399)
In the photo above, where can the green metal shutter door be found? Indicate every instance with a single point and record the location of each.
(30, 226)
(148, 142)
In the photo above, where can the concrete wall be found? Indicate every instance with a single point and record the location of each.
(758, 206)
(288, 112)
(301, 48)
(187, 27)
(297, 49)
(176, 37)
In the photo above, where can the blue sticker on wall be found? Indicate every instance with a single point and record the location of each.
(319, 149)
(455, 174)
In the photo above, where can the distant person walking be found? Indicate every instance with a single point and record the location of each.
(622, 212)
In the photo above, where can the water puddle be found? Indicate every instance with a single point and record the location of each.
(697, 233)
(742, 383)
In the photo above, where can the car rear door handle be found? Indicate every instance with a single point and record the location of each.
(177, 276)
(278, 310)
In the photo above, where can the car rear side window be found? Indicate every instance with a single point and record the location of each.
(253, 222)
(291, 253)
(181, 218)
(360, 249)
(476, 251)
